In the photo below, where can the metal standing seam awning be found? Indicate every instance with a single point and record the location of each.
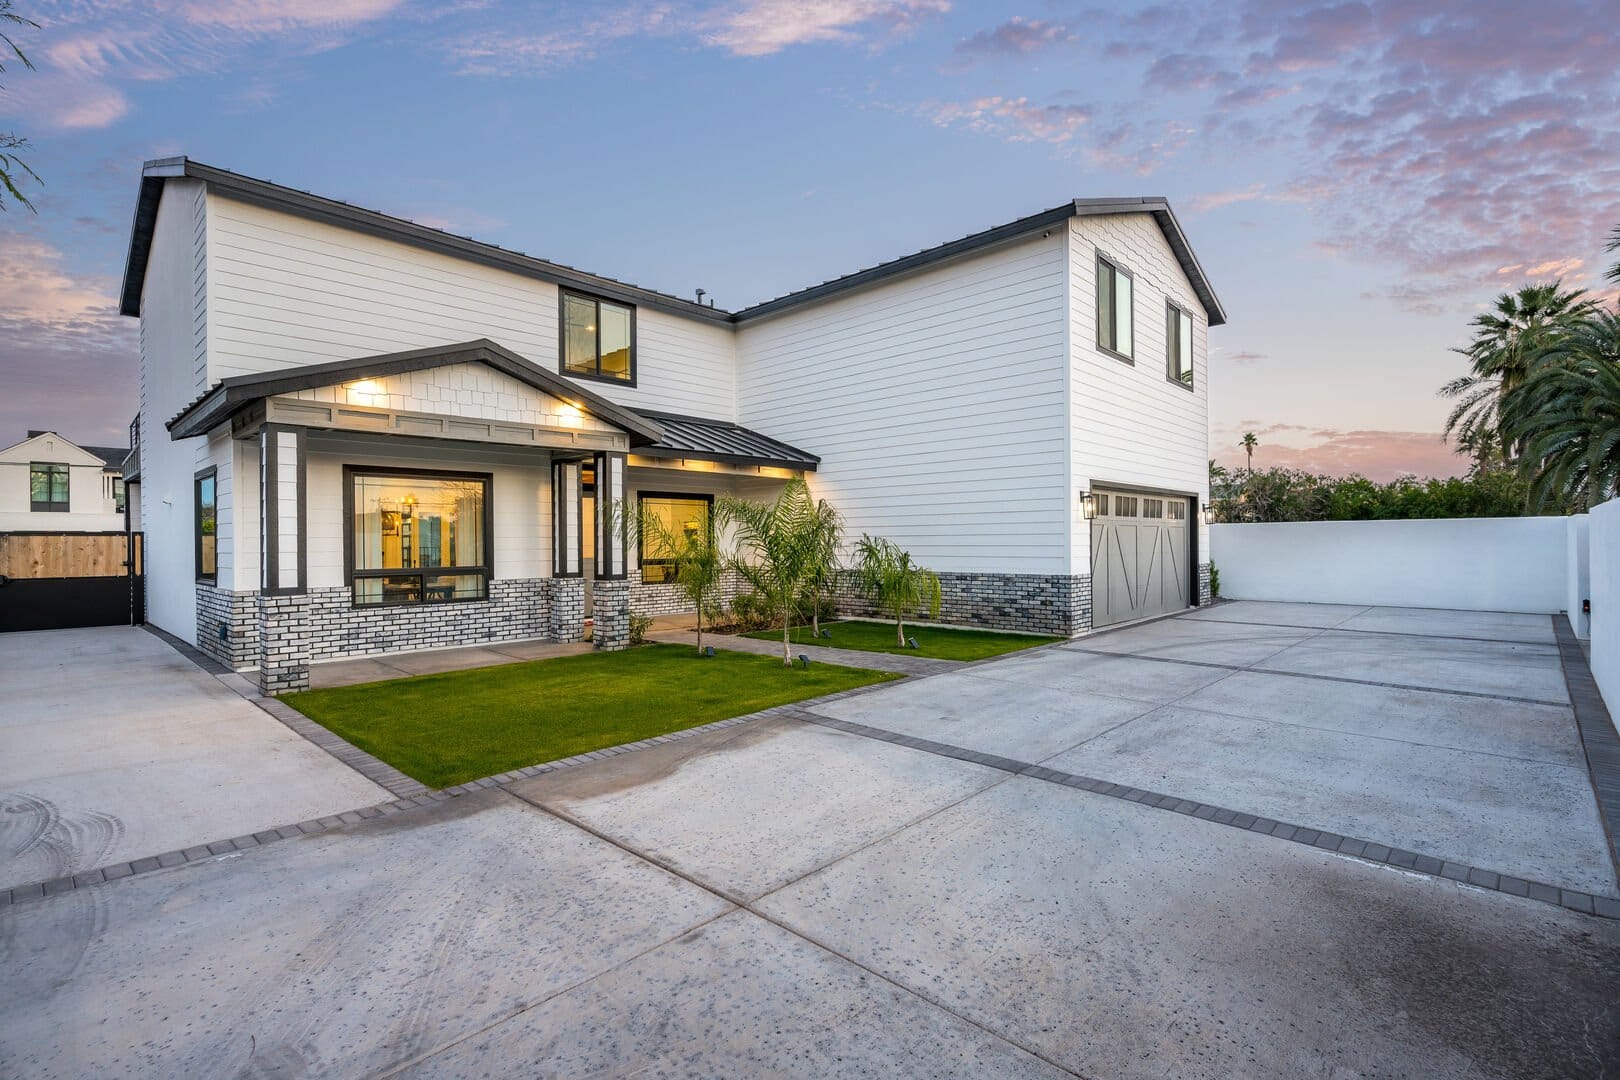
(722, 441)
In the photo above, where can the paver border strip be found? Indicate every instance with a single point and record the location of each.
(1367, 850)
(1599, 740)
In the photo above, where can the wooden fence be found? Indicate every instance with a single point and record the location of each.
(63, 555)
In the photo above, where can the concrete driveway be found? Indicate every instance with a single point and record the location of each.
(817, 894)
(116, 747)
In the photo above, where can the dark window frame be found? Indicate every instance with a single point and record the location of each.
(210, 474)
(1173, 309)
(641, 538)
(120, 494)
(51, 506)
(422, 573)
(1119, 270)
(562, 338)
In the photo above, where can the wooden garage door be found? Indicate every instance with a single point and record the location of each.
(1139, 563)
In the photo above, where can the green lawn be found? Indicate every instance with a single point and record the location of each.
(461, 725)
(931, 640)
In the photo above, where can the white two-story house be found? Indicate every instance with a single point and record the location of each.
(359, 434)
(49, 483)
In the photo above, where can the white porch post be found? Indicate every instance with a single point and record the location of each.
(283, 604)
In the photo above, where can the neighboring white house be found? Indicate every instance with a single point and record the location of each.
(359, 434)
(49, 484)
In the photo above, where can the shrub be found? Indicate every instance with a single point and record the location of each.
(639, 625)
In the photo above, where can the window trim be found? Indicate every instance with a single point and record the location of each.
(562, 337)
(210, 473)
(1118, 268)
(1169, 355)
(51, 506)
(641, 538)
(350, 574)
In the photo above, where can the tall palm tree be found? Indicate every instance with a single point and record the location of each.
(1249, 442)
(1566, 414)
(1613, 273)
(894, 583)
(826, 529)
(1506, 341)
(778, 550)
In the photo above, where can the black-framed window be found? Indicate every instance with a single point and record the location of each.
(598, 338)
(677, 514)
(118, 493)
(1116, 314)
(1178, 337)
(417, 537)
(47, 487)
(205, 509)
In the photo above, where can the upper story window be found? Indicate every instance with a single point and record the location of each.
(1178, 337)
(47, 487)
(1116, 321)
(598, 338)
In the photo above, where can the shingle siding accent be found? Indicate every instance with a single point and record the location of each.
(517, 609)
(228, 625)
(1058, 604)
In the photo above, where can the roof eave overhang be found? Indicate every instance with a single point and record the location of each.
(237, 393)
(805, 464)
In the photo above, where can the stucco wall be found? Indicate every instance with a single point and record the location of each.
(1605, 553)
(1579, 563)
(1478, 564)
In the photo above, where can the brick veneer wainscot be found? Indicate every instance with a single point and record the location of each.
(1057, 604)
(517, 608)
(667, 598)
(228, 625)
(610, 614)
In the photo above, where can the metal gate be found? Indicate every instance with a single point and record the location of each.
(1139, 559)
(54, 581)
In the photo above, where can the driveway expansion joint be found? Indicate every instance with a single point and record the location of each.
(1410, 862)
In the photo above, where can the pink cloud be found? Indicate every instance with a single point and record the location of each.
(763, 27)
(1214, 200)
(1014, 119)
(1377, 455)
(1017, 36)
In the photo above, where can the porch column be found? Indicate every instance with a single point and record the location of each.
(610, 592)
(283, 604)
(567, 533)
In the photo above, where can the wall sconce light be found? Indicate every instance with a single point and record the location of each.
(1209, 514)
(1088, 505)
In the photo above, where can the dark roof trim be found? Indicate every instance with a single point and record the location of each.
(332, 212)
(1000, 236)
(721, 440)
(112, 457)
(230, 396)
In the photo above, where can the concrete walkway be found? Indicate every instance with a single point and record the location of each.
(820, 654)
(117, 747)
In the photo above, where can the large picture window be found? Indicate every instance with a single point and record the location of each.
(679, 515)
(1178, 336)
(417, 537)
(1115, 317)
(207, 524)
(598, 338)
(47, 488)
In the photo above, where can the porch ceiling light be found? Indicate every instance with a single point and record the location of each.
(1088, 505)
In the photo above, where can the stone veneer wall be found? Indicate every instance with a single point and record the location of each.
(568, 609)
(283, 642)
(1058, 604)
(610, 614)
(1204, 595)
(238, 613)
(667, 599)
(517, 608)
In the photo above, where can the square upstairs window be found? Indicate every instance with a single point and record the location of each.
(1178, 337)
(1116, 318)
(47, 488)
(598, 338)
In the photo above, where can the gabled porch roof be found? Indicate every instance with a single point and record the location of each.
(231, 396)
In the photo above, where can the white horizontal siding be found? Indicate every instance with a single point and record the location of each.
(1131, 424)
(936, 403)
(286, 292)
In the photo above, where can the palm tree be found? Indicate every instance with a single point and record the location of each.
(1566, 414)
(1249, 442)
(778, 546)
(1613, 273)
(693, 555)
(1506, 340)
(827, 533)
(894, 583)
(12, 166)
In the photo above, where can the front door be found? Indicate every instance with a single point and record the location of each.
(1139, 559)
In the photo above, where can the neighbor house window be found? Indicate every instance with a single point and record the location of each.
(1178, 336)
(418, 537)
(47, 488)
(207, 549)
(598, 338)
(676, 516)
(1115, 321)
(118, 493)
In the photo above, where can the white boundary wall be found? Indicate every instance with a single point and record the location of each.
(1605, 566)
(1477, 564)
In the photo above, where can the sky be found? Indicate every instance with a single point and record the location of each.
(1358, 179)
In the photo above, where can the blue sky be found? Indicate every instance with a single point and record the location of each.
(1357, 178)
